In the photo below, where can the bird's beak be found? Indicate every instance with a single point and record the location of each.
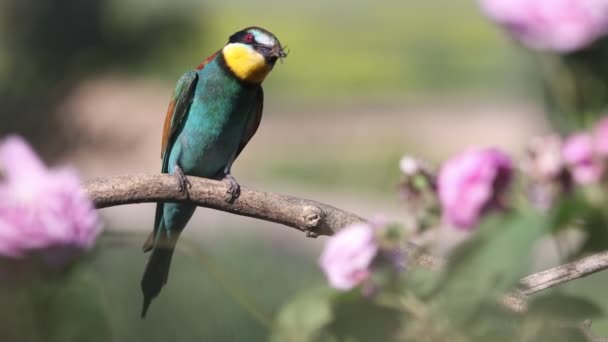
(274, 53)
(278, 52)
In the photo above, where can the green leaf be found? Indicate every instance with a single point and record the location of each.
(421, 282)
(54, 306)
(494, 323)
(580, 209)
(596, 228)
(17, 315)
(304, 318)
(357, 318)
(71, 308)
(538, 329)
(560, 334)
(327, 315)
(490, 264)
(562, 306)
(569, 209)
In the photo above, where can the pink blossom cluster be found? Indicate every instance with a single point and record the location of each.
(472, 183)
(347, 257)
(469, 186)
(355, 252)
(585, 153)
(476, 181)
(42, 211)
(557, 25)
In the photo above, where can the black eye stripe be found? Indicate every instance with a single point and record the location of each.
(239, 37)
(242, 37)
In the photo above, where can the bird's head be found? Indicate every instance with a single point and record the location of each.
(251, 53)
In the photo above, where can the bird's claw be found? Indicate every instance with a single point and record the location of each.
(234, 189)
(183, 182)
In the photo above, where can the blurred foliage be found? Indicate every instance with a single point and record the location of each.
(101, 300)
(47, 47)
(576, 86)
(589, 288)
(345, 52)
(488, 259)
(462, 303)
(584, 208)
(321, 314)
(67, 307)
(195, 305)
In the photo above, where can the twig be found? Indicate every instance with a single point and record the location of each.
(564, 273)
(311, 217)
(537, 282)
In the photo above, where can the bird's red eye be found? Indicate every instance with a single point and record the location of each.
(249, 38)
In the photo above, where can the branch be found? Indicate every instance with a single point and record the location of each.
(311, 217)
(564, 273)
(537, 282)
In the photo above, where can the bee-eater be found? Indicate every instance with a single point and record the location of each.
(214, 112)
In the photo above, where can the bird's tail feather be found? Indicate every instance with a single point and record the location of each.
(149, 243)
(157, 269)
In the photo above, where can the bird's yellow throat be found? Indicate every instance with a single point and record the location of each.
(246, 63)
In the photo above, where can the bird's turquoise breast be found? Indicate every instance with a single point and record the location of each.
(215, 123)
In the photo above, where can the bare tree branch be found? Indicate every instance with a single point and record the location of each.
(564, 273)
(537, 282)
(311, 217)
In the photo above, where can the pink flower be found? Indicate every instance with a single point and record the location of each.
(558, 25)
(42, 211)
(601, 137)
(579, 154)
(472, 183)
(348, 255)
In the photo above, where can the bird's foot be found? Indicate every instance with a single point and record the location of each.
(234, 189)
(183, 182)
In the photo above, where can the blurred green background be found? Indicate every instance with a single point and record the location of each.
(365, 82)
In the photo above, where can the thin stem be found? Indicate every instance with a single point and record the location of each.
(228, 282)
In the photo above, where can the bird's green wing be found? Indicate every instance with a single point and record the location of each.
(176, 116)
(254, 119)
(176, 113)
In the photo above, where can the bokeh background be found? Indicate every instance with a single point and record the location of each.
(88, 82)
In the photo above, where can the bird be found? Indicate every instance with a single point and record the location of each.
(214, 112)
